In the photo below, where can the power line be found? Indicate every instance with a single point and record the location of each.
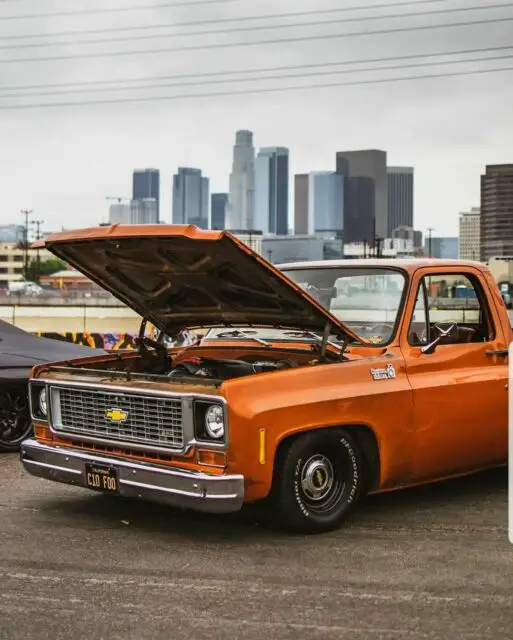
(230, 45)
(316, 23)
(148, 7)
(191, 23)
(232, 72)
(253, 91)
(251, 78)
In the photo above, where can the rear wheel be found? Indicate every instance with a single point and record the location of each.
(319, 479)
(15, 422)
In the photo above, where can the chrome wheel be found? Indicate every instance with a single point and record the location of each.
(317, 477)
(322, 482)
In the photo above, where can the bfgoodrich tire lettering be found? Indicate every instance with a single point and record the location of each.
(318, 481)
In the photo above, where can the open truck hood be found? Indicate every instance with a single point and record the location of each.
(180, 277)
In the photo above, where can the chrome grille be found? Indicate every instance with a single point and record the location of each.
(119, 416)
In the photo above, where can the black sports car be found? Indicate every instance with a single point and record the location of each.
(19, 352)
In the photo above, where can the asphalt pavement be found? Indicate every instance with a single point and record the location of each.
(433, 562)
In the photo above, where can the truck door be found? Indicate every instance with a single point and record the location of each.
(453, 347)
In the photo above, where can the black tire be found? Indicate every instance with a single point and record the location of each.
(318, 479)
(15, 422)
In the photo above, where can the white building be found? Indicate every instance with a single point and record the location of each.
(470, 234)
(390, 248)
(239, 214)
(143, 211)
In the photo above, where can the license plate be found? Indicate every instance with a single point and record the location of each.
(101, 478)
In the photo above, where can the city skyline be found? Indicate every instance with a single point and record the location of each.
(73, 157)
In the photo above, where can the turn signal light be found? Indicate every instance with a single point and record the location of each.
(42, 433)
(212, 458)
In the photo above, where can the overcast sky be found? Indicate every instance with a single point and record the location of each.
(62, 162)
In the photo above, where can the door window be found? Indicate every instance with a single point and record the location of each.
(453, 307)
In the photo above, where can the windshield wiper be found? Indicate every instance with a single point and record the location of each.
(236, 333)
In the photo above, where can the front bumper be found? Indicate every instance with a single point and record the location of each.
(175, 487)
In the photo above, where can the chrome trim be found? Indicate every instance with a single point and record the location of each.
(189, 436)
(175, 487)
(35, 382)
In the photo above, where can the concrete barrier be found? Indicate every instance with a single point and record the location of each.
(64, 319)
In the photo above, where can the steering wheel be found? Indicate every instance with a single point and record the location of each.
(381, 327)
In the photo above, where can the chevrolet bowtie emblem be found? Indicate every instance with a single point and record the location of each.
(116, 415)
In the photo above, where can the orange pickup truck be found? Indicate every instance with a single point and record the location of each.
(314, 384)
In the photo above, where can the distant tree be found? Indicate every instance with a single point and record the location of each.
(44, 268)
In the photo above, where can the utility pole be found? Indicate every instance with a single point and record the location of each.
(38, 224)
(374, 234)
(26, 213)
(430, 230)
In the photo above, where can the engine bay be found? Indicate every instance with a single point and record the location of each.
(224, 369)
(202, 364)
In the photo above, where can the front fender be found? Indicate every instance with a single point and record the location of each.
(266, 409)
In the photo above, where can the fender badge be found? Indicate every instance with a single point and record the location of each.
(383, 374)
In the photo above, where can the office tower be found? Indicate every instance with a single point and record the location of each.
(242, 183)
(218, 208)
(301, 204)
(370, 165)
(146, 184)
(325, 202)
(400, 198)
(496, 224)
(469, 234)
(272, 190)
(190, 198)
(359, 218)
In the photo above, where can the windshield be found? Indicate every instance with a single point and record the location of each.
(366, 300)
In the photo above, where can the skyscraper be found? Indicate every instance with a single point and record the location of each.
(359, 194)
(496, 225)
(191, 198)
(272, 190)
(218, 207)
(146, 184)
(469, 235)
(372, 165)
(400, 198)
(325, 202)
(242, 183)
(301, 204)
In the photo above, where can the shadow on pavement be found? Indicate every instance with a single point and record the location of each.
(470, 491)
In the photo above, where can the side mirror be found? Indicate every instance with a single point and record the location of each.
(443, 333)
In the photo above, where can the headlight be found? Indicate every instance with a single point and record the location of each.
(42, 402)
(214, 421)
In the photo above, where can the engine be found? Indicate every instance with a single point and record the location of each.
(225, 369)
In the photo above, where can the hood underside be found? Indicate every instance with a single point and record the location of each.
(180, 277)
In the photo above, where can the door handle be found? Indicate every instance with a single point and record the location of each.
(497, 352)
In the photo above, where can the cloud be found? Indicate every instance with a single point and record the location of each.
(63, 162)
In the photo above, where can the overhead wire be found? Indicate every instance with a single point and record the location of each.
(260, 90)
(191, 23)
(202, 79)
(148, 7)
(246, 43)
(294, 25)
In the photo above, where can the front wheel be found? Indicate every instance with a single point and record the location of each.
(319, 479)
